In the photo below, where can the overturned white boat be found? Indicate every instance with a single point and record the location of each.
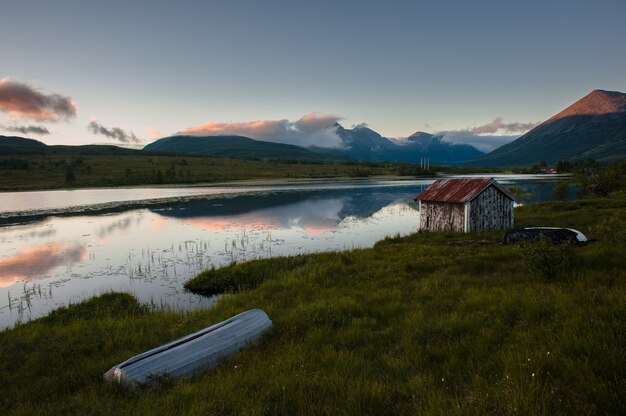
(193, 353)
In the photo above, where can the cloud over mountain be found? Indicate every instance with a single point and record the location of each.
(20, 100)
(484, 143)
(498, 125)
(311, 129)
(26, 129)
(485, 137)
(116, 133)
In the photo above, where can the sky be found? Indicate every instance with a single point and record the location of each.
(84, 72)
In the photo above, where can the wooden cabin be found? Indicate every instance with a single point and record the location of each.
(465, 205)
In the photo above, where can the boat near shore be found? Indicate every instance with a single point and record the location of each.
(193, 353)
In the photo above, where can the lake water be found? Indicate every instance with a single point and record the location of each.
(61, 247)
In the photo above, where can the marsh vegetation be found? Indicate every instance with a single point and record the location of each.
(412, 325)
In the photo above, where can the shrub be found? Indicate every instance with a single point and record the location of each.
(519, 193)
(561, 191)
(545, 258)
(607, 230)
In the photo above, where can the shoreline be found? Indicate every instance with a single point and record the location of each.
(242, 187)
(368, 327)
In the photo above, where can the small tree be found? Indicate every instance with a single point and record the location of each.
(70, 177)
(519, 193)
(560, 191)
(545, 258)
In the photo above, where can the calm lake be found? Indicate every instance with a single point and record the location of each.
(61, 247)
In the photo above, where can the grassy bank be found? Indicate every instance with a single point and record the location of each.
(30, 172)
(412, 326)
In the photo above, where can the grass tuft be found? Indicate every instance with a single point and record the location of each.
(244, 276)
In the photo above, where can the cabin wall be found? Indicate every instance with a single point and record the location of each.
(442, 216)
(490, 210)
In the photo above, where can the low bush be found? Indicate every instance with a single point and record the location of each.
(545, 258)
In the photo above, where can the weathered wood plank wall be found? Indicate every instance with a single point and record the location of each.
(491, 210)
(441, 216)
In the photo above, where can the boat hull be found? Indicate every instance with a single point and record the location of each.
(193, 353)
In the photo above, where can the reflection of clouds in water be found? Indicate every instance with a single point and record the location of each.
(32, 235)
(120, 225)
(314, 216)
(34, 261)
(158, 223)
(42, 234)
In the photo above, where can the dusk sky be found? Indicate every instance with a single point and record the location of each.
(80, 69)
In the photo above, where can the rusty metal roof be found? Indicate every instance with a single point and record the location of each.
(458, 190)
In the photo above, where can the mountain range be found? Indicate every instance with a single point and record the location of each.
(594, 127)
(363, 143)
(358, 143)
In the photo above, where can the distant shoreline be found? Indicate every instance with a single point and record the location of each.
(109, 204)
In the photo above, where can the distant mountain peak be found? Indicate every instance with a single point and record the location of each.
(419, 135)
(362, 143)
(364, 128)
(597, 102)
(593, 127)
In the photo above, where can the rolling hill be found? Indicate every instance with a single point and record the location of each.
(237, 147)
(14, 145)
(594, 127)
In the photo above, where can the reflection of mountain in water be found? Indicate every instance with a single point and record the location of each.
(319, 210)
(365, 204)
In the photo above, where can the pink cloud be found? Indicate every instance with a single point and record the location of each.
(498, 125)
(253, 129)
(23, 101)
(34, 261)
(312, 129)
(154, 133)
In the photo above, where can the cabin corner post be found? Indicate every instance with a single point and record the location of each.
(512, 214)
(466, 214)
(419, 208)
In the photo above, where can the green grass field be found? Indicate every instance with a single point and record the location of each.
(411, 326)
(54, 171)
